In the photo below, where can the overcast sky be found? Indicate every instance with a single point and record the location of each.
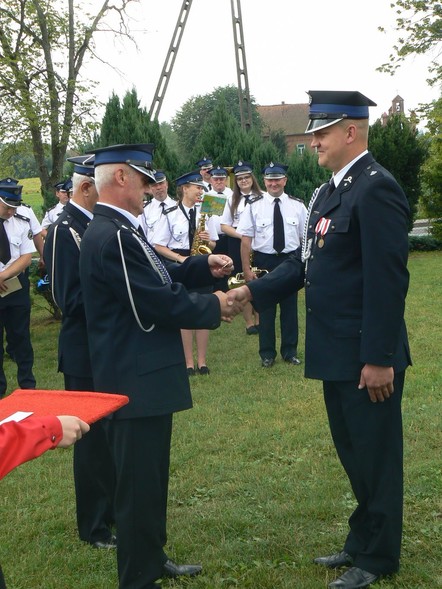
(291, 47)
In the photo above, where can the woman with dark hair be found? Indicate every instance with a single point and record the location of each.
(173, 238)
(245, 187)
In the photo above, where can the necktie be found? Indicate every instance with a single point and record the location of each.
(278, 228)
(330, 188)
(153, 258)
(5, 250)
(192, 226)
(162, 205)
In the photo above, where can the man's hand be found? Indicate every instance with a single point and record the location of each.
(241, 295)
(229, 308)
(220, 265)
(73, 430)
(3, 287)
(378, 380)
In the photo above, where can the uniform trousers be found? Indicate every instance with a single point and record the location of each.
(368, 440)
(2, 580)
(288, 315)
(141, 452)
(94, 476)
(15, 320)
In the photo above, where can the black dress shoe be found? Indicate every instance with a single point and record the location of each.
(191, 371)
(335, 561)
(106, 544)
(267, 362)
(354, 578)
(293, 360)
(203, 370)
(172, 569)
(252, 330)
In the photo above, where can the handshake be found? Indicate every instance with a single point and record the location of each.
(233, 302)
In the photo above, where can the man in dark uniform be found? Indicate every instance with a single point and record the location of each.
(356, 280)
(16, 249)
(134, 314)
(93, 468)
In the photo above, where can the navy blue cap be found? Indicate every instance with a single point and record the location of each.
(328, 107)
(242, 168)
(10, 194)
(190, 178)
(66, 186)
(83, 164)
(58, 185)
(160, 176)
(9, 181)
(275, 171)
(138, 156)
(219, 171)
(206, 162)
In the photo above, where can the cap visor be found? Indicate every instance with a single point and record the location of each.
(318, 124)
(145, 171)
(14, 203)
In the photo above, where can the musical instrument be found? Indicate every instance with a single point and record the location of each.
(199, 246)
(239, 280)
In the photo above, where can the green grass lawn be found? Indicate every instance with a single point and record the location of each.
(256, 490)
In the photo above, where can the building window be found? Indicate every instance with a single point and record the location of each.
(300, 148)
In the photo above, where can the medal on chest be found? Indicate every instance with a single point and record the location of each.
(321, 229)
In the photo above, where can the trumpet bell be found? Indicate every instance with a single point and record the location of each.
(238, 279)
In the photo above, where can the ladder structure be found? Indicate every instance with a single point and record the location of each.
(170, 60)
(241, 64)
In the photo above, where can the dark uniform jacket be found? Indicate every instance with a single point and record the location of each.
(356, 283)
(134, 319)
(62, 256)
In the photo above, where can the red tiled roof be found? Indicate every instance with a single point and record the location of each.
(291, 118)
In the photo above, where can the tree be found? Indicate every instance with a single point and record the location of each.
(190, 120)
(304, 175)
(398, 148)
(218, 137)
(420, 29)
(432, 171)
(43, 46)
(128, 122)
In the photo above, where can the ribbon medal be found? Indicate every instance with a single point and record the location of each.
(321, 229)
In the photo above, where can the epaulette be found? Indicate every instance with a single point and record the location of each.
(22, 217)
(295, 198)
(170, 209)
(255, 198)
(24, 204)
(53, 207)
(146, 202)
(372, 171)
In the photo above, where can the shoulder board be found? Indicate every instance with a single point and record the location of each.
(50, 208)
(374, 170)
(146, 203)
(255, 198)
(22, 217)
(170, 209)
(24, 204)
(295, 198)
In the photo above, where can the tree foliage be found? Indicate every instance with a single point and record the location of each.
(398, 148)
(43, 98)
(190, 120)
(304, 175)
(128, 122)
(419, 24)
(432, 171)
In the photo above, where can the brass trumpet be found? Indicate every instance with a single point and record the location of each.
(238, 279)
